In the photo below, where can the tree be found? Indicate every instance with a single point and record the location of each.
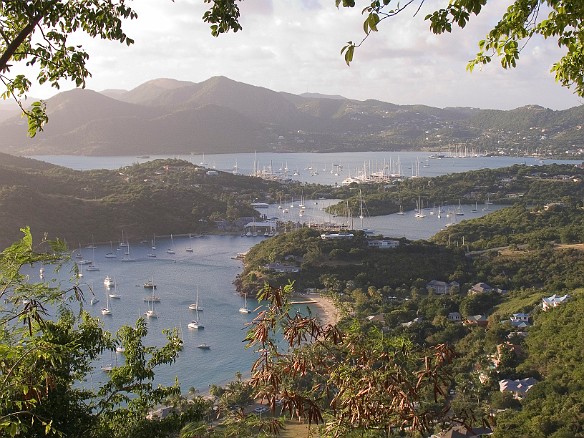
(36, 33)
(46, 354)
(561, 20)
(357, 379)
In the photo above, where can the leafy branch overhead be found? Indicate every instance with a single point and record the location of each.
(37, 33)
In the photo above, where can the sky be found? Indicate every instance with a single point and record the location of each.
(294, 46)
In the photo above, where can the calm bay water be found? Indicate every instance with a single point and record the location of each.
(327, 169)
(210, 268)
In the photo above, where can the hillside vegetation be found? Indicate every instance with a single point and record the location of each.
(219, 115)
(159, 197)
(385, 291)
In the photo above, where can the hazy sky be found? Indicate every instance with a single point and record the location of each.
(294, 46)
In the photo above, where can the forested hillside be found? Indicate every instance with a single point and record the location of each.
(159, 197)
(535, 253)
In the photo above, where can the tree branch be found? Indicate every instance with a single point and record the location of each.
(16, 42)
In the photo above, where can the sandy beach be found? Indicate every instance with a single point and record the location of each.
(327, 312)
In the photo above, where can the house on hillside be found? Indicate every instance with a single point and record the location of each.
(376, 318)
(383, 243)
(441, 287)
(517, 387)
(454, 317)
(281, 268)
(553, 301)
(480, 288)
(476, 320)
(520, 320)
(411, 323)
(329, 236)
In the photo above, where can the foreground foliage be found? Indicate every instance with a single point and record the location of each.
(350, 380)
(49, 346)
(37, 34)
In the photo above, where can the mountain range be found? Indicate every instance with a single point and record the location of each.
(219, 115)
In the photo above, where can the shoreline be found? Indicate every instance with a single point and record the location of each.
(327, 312)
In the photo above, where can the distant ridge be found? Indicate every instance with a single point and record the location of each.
(219, 115)
(323, 96)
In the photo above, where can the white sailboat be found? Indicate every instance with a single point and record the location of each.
(149, 284)
(114, 295)
(196, 324)
(196, 306)
(420, 211)
(190, 247)
(152, 254)
(108, 368)
(111, 254)
(171, 249)
(459, 211)
(244, 309)
(150, 313)
(106, 310)
(92, 266)
(127, 257)
(301, 205)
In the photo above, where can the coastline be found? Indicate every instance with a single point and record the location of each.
(327, 312)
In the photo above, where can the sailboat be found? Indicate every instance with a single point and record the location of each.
(420, 211)
(150, 313)
(401, 210)
(189, 248)
(149, 284)
(106, 310)
(110, 366)
(151, 254)
(459, 211)
(92, 266)
(195, 305)
(476, 207)
(171, 249)
(123, 242)
(195, 324)
(127, 257)
(301, 205)
(244, 309)
(487, 203)
(111, 254)
(114, 294)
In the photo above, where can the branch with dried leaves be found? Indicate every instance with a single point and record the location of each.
(356, 380)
